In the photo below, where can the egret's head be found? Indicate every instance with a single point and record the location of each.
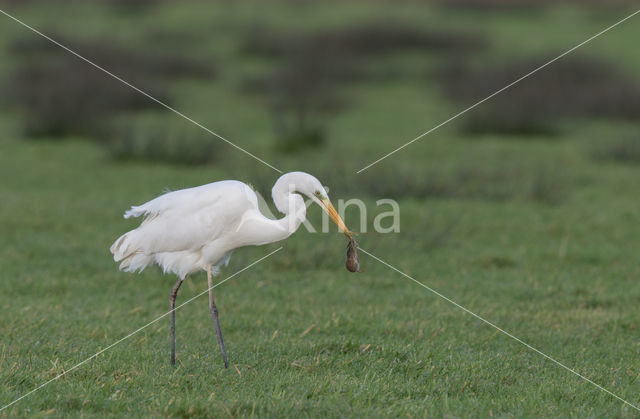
(305, 184)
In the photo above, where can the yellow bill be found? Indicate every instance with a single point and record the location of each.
(328, 206)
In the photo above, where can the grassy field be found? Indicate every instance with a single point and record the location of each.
(538, 234)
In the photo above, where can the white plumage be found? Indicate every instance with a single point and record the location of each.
(197, 229)
(184, 231)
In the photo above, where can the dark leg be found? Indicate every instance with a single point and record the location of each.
(214, 316)
(174, 294)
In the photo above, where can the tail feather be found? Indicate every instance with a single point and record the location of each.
(121, 248)
(125, 250)
(136, 262)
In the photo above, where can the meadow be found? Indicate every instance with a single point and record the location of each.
(529, 219)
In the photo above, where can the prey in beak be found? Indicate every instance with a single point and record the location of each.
(353, 265)
(333, 214)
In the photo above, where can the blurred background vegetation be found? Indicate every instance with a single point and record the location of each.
(329, 89)
(525, 209)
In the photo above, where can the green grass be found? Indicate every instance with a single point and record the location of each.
(304, 336)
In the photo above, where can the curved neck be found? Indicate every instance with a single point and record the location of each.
(294, 216)
(294, 212)
(262, 230)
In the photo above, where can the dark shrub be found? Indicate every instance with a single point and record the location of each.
(64, 95)
(299, 138)
(493, 5)
(305, 88)
(129, 6)
(160, 138)
(300, 95)
(63, 98)
(136, 65)
(572, 87)
(371, 38)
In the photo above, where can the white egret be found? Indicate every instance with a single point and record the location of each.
(196, 229)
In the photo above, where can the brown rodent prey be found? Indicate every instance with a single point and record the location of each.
(353, 265)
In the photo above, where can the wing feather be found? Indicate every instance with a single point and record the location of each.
(185, 220)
